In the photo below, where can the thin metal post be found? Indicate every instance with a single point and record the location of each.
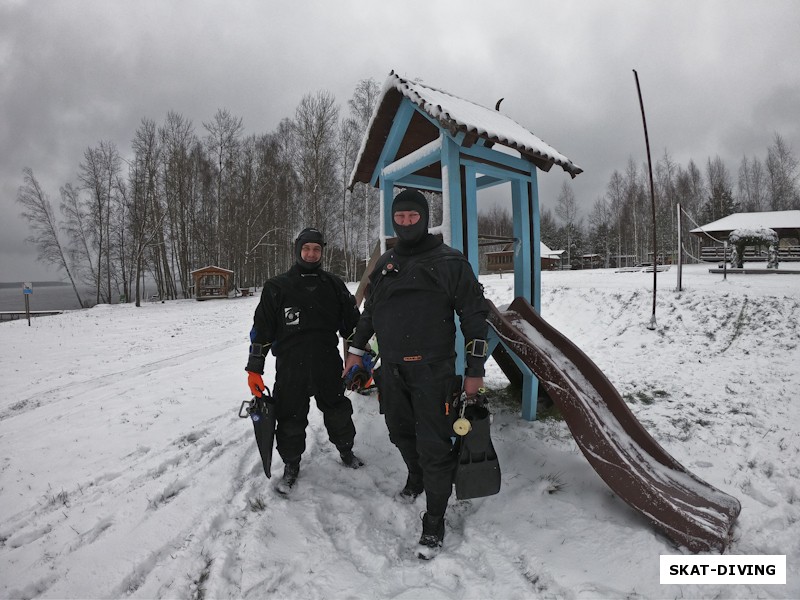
(725, 260)
(27, 290)
(680, 249)
(653, 201)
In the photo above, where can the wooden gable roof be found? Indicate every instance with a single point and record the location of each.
(211, 270)
(453, 114)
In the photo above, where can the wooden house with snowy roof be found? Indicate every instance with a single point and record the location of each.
(785, 223)
(425, 138)
(502, 261)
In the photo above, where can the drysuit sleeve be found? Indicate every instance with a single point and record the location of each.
(364, 331)
(264, 329)
(349, 312)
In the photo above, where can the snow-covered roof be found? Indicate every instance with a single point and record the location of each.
(545, 251)
(753, 233)
(778, 220)
(210, 268)
(454, 114)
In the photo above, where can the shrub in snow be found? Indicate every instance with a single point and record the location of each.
(772, 257)
(757, 236)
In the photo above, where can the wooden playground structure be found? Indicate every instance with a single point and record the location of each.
(424, 138)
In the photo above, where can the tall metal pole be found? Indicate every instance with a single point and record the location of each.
(680, 248)
(653, 202)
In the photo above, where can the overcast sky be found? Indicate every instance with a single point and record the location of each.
(718, 77)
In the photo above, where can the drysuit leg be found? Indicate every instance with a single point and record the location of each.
(415, 399)
(336, 408)
(291, 395)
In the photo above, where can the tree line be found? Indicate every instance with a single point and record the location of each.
(619, 223)
(194, 196)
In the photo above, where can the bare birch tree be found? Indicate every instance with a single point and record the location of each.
(177, 139)
(720, 202)
(349, 142)
(753, 196)
(144, 181)
(78, 229)
(315, 127)
(567, 211)
(222, 142)
(600, 224)
(548, 228)
(782, 175)
(362, 105)
(615, 195)
(634, 200)
(99, 174)
(666, 200)
(38, 211)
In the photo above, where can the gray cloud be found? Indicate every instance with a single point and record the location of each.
(718, 77)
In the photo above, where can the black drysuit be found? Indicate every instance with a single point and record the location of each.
(298, 317)
(411, 303)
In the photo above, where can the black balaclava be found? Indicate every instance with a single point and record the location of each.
(309, 235)
(411, 235)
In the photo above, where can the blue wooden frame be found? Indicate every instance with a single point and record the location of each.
(482, 168)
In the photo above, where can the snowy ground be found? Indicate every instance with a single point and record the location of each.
(126, 472)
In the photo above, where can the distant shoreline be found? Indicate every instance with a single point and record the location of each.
(15, 284)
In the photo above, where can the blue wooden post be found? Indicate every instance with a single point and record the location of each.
(527, 266)
(451, 191)
(387, 195)
(451, 197)
(530, 384)
(537, 249)
(522, 239)
(471, 194)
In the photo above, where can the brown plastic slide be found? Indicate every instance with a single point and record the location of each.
(688, 510)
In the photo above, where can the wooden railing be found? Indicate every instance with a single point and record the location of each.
(716, 253)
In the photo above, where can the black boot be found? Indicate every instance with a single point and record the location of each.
(430, 542)
(351, 460)
(413, 487)
(290, 474)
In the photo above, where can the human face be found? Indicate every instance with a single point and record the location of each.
(311, 252)
(406, 217)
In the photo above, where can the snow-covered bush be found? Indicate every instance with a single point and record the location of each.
(755, 236)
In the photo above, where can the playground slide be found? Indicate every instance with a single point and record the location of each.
(688, 510)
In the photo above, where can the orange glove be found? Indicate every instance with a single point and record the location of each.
(256, 383)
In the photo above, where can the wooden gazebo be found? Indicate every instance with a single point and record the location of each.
(211, 282)
(785, 223)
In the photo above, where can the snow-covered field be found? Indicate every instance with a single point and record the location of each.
(126, 472)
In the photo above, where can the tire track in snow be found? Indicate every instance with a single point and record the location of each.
(126, 503)
(78, 388)
(194, 552)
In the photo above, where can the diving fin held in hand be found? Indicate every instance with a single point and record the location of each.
(478, 469)
(262, 412)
